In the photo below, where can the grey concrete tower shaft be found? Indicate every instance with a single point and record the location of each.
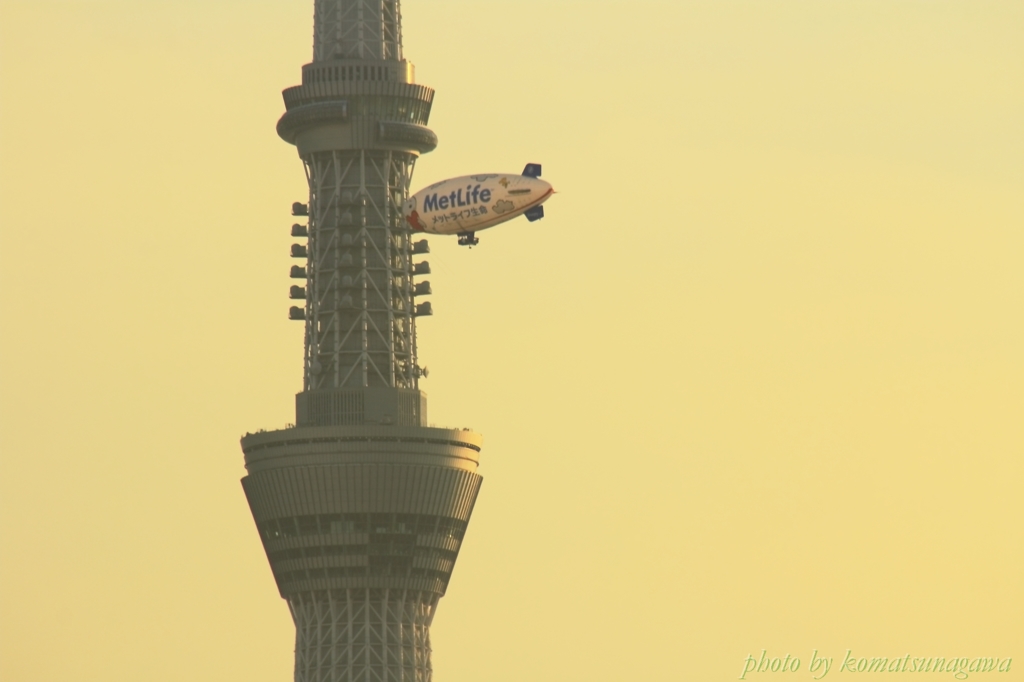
(360, 507)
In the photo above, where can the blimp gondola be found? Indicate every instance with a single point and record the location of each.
(465, 205)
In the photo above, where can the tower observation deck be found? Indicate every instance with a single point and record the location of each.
(360, 506)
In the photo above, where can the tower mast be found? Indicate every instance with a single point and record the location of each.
(360, 506)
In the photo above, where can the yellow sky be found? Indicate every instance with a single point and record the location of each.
(755, 382)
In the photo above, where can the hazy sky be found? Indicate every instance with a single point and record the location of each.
(756, 382)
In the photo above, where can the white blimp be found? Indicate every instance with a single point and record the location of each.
(466, 205)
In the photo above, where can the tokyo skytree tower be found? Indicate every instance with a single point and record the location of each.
(360, 506)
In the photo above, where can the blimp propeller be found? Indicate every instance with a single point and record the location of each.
(465, 205)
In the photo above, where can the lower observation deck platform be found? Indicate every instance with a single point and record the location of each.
(342, 507)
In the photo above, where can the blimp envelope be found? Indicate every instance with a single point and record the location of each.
(476, 202)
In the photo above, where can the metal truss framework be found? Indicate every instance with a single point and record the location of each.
(357, 29)
(360, 331)
(362, 635)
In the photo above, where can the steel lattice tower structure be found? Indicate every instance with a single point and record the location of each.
(360, 506)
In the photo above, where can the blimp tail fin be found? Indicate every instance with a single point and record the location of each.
(532, 170)
(535, 213)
